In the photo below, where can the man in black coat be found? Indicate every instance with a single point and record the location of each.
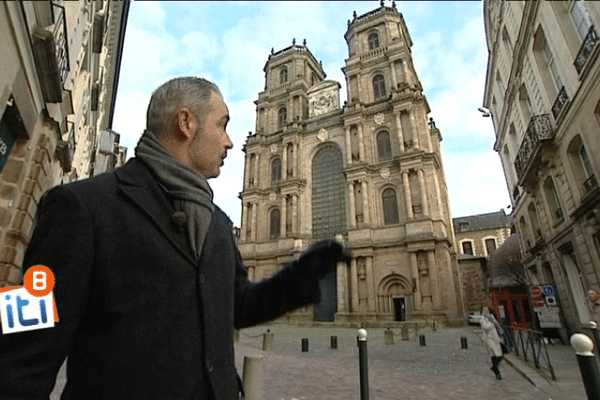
(149, 281)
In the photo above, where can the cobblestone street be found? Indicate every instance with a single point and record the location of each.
(404, 370)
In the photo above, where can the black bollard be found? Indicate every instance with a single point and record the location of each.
(463, 342)
(422, 340)
(583, 346)
(304, 345)
(334, 342)
(363, 364)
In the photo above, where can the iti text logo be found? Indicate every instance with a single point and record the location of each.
(31, 306)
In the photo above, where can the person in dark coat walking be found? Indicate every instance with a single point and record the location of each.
(149, 281)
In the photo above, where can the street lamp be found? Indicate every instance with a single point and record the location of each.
(484, 112)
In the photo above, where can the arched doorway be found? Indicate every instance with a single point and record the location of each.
(394, 296)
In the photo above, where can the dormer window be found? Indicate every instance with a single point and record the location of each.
(283, 75)
(373, 41)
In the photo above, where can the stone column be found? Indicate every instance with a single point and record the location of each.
(413, 126)
(423, 190)
(295, 214)
(354, 285)
(254, 212)
(435, 284)
(342, 288)
(244, 222)
(361, 144)
(438, 194)
(247, 172)
(284, 162)
(283, 216)
(256, 162)
(296, 155)
(400, 134)
(348, 146)
(352, 207)
(407, 197)
(406, 72)
(394, 79)
(415, 273)
(365, 196)
(370, 285)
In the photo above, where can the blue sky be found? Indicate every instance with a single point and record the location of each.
(229, 42)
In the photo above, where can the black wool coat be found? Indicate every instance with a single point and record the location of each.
(139, 317)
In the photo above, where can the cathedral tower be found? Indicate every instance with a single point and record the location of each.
(369, 173)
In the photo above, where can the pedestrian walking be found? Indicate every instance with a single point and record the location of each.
(149, 281)
(492, 337)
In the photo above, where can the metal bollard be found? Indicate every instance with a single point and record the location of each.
(363, 364)
(304, 345)
(333, 340)
(267, 341)
(253, 378)
(389, 336)
(463, 342)
(583, 346)
(434, 326)
(422, 340)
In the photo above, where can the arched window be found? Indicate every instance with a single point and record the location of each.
(328, 193)
(379, 87)
(275, 171)
(384, 149)
(390, 207)
(275, 221)
(283, 75)
(373, 41)
(281, 117)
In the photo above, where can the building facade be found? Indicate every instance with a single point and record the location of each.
(477, 237)
(368, 172)
(58, 74)
(543, 93)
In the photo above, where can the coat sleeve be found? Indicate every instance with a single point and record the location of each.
(292, 287)
(63, 241)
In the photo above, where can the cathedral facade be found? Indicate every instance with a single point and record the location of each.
(367, 172)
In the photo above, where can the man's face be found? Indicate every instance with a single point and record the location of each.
(211, 142)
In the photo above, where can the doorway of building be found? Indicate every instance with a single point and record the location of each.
(326, 308)
(399, 309)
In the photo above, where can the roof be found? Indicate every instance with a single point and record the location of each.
(478, 222)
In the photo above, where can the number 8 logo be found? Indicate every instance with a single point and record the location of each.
(39, 280)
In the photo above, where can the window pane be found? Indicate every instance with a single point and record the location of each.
(275, 223)
(490, 245)
(467, 248)
(390, 207)
(275, 171)
(383, 146)
(378, 87)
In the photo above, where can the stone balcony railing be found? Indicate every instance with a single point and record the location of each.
(588, 45)
(538, 132)
(378, 52)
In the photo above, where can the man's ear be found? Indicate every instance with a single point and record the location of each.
(186, 123)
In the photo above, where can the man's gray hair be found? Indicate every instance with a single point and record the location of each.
(175, 94)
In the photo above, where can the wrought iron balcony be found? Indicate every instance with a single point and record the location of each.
(561, 101)
(538, 132)
(588, 45)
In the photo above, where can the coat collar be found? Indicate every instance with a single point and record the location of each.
(139, 185)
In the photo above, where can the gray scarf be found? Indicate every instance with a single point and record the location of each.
(190, 191)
